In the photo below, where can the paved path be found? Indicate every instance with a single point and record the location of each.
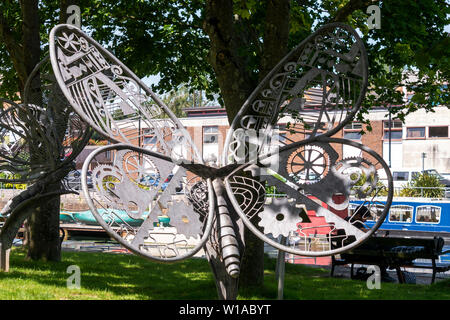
(93, 246)
(423, 276)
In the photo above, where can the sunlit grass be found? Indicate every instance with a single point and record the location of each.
(116, 276)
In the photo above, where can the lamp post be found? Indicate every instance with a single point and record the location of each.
(390, 127)
(389, 133)
(424, 155)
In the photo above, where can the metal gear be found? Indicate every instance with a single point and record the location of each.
(140, 169)
(308, 165)
(280, 217)
(120, 192)
(360, 174)
(105, 178)
(185, 219)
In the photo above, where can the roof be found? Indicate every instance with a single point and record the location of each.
(205, 111)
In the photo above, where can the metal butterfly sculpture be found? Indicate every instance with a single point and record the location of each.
(281, 137)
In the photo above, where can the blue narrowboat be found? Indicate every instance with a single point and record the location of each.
(414, 217)
(413, 214)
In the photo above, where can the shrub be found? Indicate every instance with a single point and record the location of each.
(375, 186)
(9, 185)
(425, 181)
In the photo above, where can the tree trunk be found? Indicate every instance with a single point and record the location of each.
(252, 271)
(31, 39)
(236, 84)
(276, 35)
(235, 80)
(44, 239)
(44, 222)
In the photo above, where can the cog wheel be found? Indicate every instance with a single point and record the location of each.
(360, 174)
(308, 164)
(280, 217)
(105, 179)
(185, 219)
(140, 169)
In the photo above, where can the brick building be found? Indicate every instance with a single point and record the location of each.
(423, 139)
(422, 132)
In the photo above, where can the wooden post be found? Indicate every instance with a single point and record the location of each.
(280, 270)
(4, 259)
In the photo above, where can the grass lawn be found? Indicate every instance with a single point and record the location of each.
(117, 276)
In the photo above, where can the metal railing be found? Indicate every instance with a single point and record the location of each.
(444, 191)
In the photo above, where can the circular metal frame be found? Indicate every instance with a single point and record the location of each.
(287, 249)
(117, 237)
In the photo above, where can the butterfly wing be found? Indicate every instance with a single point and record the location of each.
(15, 140)
(281, 137)
(314, 90)
(138, 189)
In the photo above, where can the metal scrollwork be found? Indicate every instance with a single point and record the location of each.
(309, 96)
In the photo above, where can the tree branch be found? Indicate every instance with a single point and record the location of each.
(18, 208)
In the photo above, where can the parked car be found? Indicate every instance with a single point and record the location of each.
(442, 179)
(73, 179)
(150, 180)
(153, 180)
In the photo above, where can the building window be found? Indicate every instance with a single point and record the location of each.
(415, 132)
(352, 135)
(354, 126)
(375, 211)
(401, 213)
(210, 134)
(352, 131)
(396, 130)
(400, 175)
(211, 144)
(438, 132)
(150, 140)
(428, 214)
(280, 133)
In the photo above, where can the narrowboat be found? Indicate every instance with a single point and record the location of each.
(413, 216)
